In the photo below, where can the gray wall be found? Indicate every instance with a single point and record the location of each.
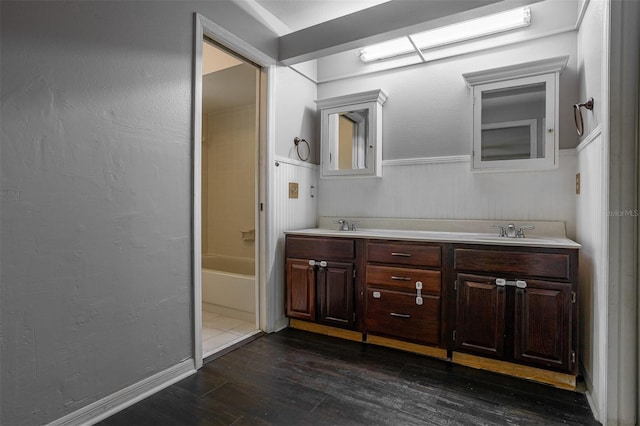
(95, 191)
(428, 113)
(295, 115)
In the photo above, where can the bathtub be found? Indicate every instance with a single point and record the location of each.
(229, 286)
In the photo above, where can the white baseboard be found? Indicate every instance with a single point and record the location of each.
(126, 397)
(281, 324)
(593, 406)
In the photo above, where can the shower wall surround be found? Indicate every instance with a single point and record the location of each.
(228, 173)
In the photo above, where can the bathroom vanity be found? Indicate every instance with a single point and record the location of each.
(474, 298)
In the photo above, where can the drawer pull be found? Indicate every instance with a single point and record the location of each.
(395, 278)
(401, 254)
(394, 314)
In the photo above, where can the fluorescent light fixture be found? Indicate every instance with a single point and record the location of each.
(387, 49)
(461, 31)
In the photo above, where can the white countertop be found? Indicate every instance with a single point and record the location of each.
(445, 237)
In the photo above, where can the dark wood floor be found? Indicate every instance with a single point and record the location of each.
(298, 378)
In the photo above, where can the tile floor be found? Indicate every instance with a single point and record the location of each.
(219, 332)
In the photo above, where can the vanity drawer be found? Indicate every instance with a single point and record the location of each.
(404, 278)
(547, 265)
(320, 248)
(396, 314)
(404, 254)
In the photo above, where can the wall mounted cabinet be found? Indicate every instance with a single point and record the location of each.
(351, 135)
(515, 116)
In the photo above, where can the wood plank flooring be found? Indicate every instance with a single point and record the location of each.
(299, 378)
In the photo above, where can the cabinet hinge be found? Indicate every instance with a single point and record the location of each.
(573, 297)
(573, 357)
(354, 273)
(455, 285)
(454, 335)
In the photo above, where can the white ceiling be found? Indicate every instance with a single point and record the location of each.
(299, 14)
(227, 81)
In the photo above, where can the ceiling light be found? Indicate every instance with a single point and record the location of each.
(387, 49)
(462, 31)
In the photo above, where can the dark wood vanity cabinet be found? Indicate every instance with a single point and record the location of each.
(507, 308)
(517, 305)
(320, 277)
(403, 296)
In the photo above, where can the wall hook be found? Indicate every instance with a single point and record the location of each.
(577, 115)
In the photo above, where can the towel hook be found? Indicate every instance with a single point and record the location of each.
(577, 113)
(296, 142)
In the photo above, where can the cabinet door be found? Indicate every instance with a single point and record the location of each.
(336, 294)
(301, 290)
(480, 316)
(542, 326)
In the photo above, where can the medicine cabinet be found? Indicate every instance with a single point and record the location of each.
(351, 135)
(515, 116)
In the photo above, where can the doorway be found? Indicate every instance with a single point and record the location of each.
(229, 179)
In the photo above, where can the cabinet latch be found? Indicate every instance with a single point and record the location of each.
(573, 357)
(455, 285)
(573, 297)
(454, 335)
(354, 273)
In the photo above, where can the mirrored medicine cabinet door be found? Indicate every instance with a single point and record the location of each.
(351, 128)
(515, 118)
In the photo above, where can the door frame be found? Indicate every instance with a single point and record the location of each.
(205, 27)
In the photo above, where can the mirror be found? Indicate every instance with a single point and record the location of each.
(514, 116)
(512, 123)
(348, 135)
(351, 129)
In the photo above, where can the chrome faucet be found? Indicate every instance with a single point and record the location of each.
(344, 225)
(510, 231)
(503, 233)
(520, 233)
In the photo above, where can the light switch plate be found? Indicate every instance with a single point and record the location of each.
(293, 189)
